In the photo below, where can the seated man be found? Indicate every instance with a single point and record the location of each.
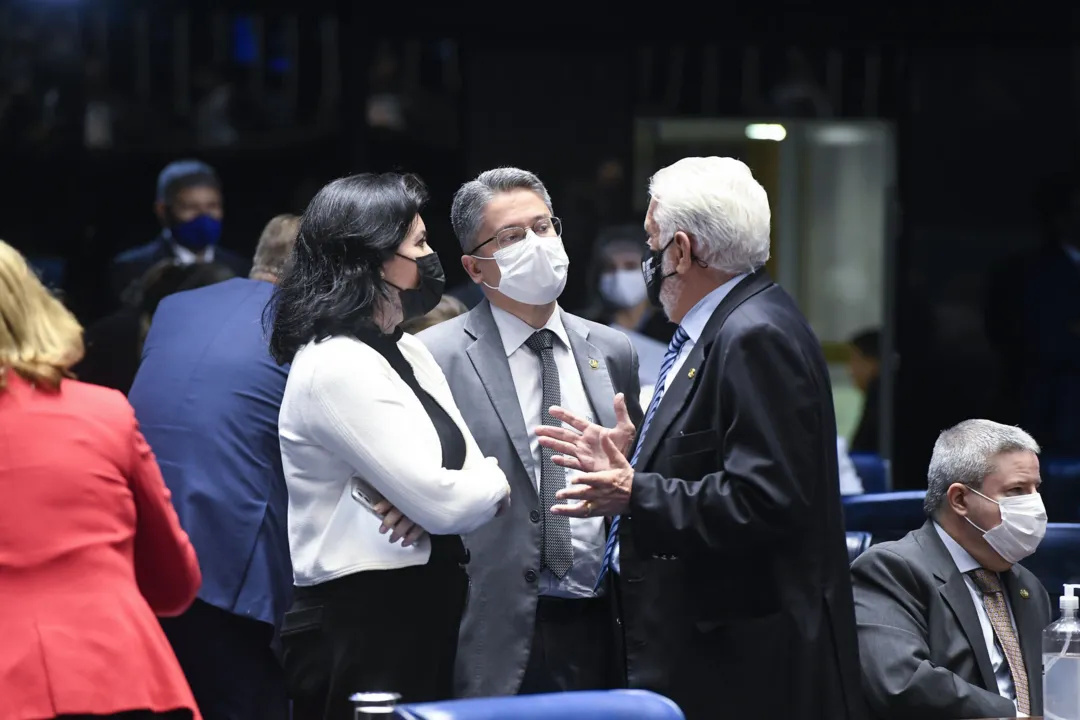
(949, 625)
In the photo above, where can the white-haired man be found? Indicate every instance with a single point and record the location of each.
(727, 538)
(949, 625)
(533, 623)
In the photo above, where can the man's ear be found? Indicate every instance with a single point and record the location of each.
(684, 251)
(469, 264)
(159, 211)
(956, 498)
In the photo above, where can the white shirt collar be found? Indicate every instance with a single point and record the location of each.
(699, 315)
(961, 557)
(514, 331)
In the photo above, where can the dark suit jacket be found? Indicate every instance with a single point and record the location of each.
(129, 265)
(497, 630)
(734, 572)
(922, 648)
(207, 396)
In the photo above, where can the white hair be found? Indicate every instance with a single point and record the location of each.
(718, 202)
(966, 453)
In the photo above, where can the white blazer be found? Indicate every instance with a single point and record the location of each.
(347, 413)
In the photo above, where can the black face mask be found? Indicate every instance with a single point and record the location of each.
(416, 302)
(652, 268)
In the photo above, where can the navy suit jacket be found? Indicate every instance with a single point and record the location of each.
(207, 396)
(130, 265)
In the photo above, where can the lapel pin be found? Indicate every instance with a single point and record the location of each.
(692, 373)
(594, 363)
(1024, 593)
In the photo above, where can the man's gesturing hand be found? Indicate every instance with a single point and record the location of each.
(400, 527)
(606, 492)
(583, 447)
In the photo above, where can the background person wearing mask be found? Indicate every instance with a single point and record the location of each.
(90, 546)
(190, 209)
(727, 539)
(621, 300)
(534, 623)
(372, 443)
(207, 396)
(950, 626)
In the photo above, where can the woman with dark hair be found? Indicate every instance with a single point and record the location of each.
(371, 443)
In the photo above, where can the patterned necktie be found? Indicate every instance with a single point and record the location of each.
(557, 551)
(989, 585)
(673, 350)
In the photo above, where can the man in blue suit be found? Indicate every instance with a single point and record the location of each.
(190, 208)
(207, 396)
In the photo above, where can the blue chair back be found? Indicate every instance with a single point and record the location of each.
(1057, 561)
(1061, 488)
(599, 705)
(872, 470)
(857, 544)
(887, 516)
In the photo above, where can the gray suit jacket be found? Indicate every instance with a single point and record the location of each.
(497, 630)
(920, 641)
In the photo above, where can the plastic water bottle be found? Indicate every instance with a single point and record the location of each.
(374, 703)
(1061, 662)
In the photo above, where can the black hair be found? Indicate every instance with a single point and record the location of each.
(868, 342)
(332, 282)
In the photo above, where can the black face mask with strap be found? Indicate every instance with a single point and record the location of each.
(419, 301)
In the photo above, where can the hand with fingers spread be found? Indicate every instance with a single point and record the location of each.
(400, 527)
(604, 492)
(582, 448)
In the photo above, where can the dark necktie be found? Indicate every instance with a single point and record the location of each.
(672, 354)
(557, 551)
(989, 585)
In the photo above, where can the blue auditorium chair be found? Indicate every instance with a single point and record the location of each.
(857, 543)
(602, 705)
(1057, 561)
(1061, 488)
(872, 470)
(887, 516)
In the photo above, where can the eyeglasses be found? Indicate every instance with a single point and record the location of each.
(508, 237)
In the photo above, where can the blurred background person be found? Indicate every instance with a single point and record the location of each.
(190, 208)
(864, 364)
(449, 307)
(207, 396)
(114, 344)
(371, 443)
(620, 300)
(90, 546)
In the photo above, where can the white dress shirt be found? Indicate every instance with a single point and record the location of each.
(347, 413)
(694, 324)
(965, 564)
(587, 534)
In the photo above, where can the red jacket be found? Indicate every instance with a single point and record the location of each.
(90, 550)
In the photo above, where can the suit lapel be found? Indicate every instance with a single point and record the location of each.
(682, 386)
(489, 359)
(593, 371)
(1028, 627)
(957, 596)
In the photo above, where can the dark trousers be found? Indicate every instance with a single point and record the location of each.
(572, 647)
(229, 663)
(376, 631)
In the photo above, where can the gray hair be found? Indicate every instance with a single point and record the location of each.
(966, 453)
(467, 212)
(275, 246)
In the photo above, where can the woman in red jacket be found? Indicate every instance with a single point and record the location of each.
(90, 546)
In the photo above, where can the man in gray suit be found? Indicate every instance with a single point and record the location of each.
(535, 621)
(949, 625)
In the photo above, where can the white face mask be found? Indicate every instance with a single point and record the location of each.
(623, 288)
(533, 270)
(1022, 527)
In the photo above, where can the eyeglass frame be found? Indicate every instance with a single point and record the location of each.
(550, 218)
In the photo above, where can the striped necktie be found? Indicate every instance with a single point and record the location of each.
(672, 354)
